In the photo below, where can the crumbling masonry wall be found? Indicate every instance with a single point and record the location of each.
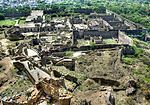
(104, 34)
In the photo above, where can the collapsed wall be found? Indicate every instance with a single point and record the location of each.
(50, 87)
(136, 33)
(124, 39)
(127, 22)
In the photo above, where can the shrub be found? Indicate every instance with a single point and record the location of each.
(138, 51)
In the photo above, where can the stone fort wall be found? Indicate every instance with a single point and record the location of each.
(104, 34)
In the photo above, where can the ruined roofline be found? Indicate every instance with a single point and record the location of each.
(125, 19)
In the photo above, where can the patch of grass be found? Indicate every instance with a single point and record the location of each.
(146, 80)
(138, 51)
(21, 21)
(130, 101)
(69, 53)
(145, 60)
(128, 60)
(7, 22)
(136, 72)
(80, 76)
(92, 44)
(47, 17)
(109, 41)
(21, 85)
(22, 18)
(84, 43)
(141, 44)
(142, 71)
(91, 85)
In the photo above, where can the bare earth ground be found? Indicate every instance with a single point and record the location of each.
(107, 65)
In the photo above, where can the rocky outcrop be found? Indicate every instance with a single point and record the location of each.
(131, 87)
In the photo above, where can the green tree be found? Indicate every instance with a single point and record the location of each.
(2, 17)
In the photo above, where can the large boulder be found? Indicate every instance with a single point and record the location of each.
(131, 87)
